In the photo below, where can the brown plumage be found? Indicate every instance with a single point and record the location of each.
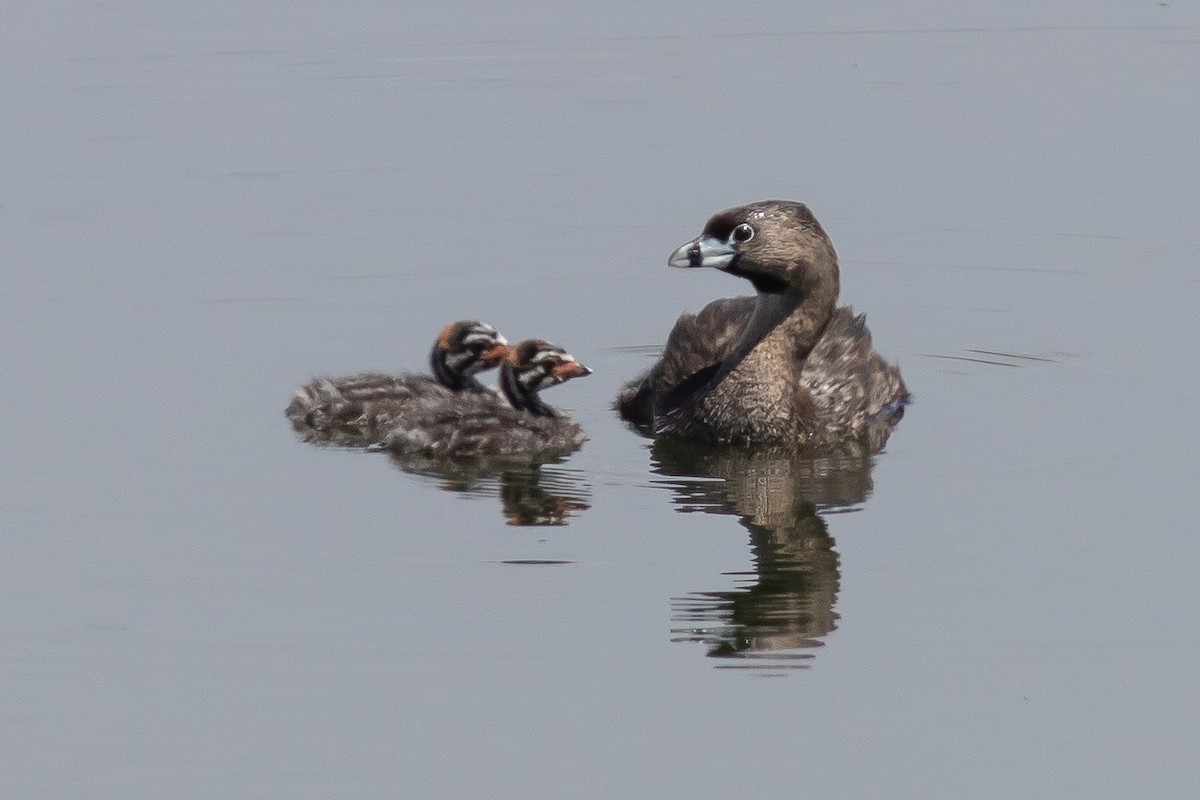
(787, 365)
(514, 423)
(367, 402)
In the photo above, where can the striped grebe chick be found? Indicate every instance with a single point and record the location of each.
(514, 423)
(369, 401)
(787, 365)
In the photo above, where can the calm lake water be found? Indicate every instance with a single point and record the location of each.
(203, 205)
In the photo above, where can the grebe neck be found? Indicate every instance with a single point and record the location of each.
(520, 396)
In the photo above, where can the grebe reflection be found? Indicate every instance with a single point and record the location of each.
(531, 493)
(782, 609)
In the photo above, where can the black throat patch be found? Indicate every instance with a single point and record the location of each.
(767, 284)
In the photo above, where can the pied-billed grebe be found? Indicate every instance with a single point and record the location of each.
(371, 399)
(786, 365)
(513, 423)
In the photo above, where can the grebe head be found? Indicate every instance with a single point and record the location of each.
(463, 349)
(777, 245)
(533, 365)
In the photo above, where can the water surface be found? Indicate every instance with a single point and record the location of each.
(201, 207)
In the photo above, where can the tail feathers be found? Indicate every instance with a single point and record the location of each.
(321, 392)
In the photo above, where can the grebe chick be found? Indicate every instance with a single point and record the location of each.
(370, 400)
(514, 423)
(786, 365)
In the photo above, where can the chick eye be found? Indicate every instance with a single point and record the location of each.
(742, 233)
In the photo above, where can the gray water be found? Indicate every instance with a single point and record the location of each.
(203, 205)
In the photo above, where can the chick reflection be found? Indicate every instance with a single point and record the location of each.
(785, 606)
(531, 493)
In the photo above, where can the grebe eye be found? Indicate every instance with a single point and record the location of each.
(742, 233)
